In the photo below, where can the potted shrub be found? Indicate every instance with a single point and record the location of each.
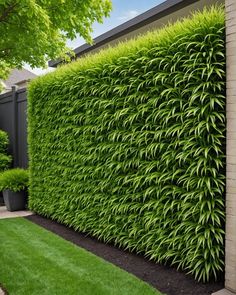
(14, 185)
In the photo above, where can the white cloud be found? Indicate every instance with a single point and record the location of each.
(128, 15)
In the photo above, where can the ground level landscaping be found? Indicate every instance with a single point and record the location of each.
(164, 278)
(36, 261)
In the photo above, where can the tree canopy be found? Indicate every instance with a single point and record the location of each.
(34, 31)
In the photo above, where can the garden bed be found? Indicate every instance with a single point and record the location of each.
(166, 279)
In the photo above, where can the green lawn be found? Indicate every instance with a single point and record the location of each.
(36, 261)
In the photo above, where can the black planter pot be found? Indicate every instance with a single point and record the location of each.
(15, 201)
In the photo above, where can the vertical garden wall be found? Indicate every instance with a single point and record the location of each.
(129, 144)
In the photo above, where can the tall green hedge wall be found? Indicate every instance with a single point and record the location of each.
(129, 144)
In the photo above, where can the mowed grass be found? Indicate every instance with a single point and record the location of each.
(36, 261)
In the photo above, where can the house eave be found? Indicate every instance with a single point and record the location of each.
(166, 8)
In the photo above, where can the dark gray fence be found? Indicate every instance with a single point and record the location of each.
(13, 120)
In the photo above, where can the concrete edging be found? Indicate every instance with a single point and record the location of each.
(7, 214)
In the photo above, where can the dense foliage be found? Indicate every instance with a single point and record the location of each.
(34, 31)
(14, 179)
(5, 159)
(129, 144)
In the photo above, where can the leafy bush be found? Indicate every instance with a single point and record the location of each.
(129, 144)
(3, 141)
(5, 159)
(14, 179)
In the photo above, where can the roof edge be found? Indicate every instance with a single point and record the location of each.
(153, 14)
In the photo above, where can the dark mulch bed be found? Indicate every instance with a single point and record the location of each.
(166, 279)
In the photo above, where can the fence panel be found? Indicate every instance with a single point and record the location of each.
(22, 155)
(13, 120)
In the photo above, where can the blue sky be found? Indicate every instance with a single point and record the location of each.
(123, 10)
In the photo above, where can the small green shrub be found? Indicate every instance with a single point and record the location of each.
(14, 179)
(3, 141)
(5, 160)
(129, 144)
